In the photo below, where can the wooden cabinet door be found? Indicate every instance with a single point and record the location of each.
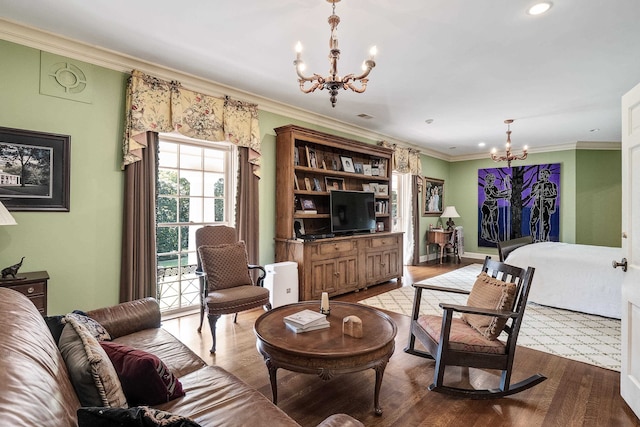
(335, 276)
(323, 277)
(347, 277)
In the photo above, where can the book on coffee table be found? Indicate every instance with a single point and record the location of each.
(315, 327)
(305, 319)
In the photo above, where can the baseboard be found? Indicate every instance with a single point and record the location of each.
(472, 255)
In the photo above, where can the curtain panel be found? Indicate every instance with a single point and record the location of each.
(405, 160)
(161, 106)
(138, 273)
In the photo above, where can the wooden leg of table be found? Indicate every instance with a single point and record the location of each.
(272, 377)
(376, 393)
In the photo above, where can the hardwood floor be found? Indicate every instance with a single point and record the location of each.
(575, 393)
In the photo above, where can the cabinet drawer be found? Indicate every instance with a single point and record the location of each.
(30, 288)
(38, 301)
(379, 242)
(331, 250)
(335, 247)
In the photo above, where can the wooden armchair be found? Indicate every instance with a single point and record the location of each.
(496, 304)
(228, 286)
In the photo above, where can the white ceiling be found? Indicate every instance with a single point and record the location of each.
(466, 64)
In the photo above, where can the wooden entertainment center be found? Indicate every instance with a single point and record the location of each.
(309, 164)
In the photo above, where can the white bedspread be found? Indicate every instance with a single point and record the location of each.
(573, 277)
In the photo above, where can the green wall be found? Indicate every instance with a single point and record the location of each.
(80, 249)
(590, 195)
(463, 193)
(599, 197)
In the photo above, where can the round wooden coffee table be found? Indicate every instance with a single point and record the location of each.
(326, 352)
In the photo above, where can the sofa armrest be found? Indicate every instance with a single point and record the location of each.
(128, 317)
(340, 420)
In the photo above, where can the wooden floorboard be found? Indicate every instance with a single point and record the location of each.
(575, 393)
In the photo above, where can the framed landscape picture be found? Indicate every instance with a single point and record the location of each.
(35, 170)
(432, 197)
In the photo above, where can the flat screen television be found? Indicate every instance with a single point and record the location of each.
(352, 211)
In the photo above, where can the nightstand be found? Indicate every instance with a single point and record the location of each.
(440, 238)
(34, 286)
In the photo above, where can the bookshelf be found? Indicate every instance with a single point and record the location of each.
(309, 164)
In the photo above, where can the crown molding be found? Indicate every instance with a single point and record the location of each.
(578, 145)
(599, 145)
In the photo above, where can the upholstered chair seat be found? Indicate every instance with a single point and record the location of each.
(233, 300)
(461, 336)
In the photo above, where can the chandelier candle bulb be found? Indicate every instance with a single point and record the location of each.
(373, 52)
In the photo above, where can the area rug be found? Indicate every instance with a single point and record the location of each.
(578, 336)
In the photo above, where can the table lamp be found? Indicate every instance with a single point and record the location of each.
(450, 212)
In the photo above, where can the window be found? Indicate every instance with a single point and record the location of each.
(195, 187)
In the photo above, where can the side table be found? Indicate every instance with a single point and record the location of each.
(33, 285)
(440, 238)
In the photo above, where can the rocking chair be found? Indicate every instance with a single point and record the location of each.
(496, 304)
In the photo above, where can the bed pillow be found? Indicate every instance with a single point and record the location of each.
(92, 374)
(226, 266)
(140, 416)
(491, 293)
(145, 379)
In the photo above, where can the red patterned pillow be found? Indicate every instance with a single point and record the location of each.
(145, 379)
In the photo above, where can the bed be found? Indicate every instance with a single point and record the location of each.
(573, 277)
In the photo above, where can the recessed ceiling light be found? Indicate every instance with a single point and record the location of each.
(594, 130)
(428, 121)
(539, 8)
(481, 144)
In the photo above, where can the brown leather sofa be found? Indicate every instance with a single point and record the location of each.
(35, 389)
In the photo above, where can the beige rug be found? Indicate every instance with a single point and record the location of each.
(578, 336)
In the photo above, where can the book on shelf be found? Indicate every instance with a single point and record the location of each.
(306, 212)
(299, 330)
(305, 318)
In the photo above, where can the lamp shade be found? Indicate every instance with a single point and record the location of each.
(5, 216)
(450, 212)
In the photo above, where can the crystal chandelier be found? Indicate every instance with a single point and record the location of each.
(333, 82)
(508, 157)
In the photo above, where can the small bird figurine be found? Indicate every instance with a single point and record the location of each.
(12, 270)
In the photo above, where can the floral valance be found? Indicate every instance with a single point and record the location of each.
(405, 160)
(162, 106)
